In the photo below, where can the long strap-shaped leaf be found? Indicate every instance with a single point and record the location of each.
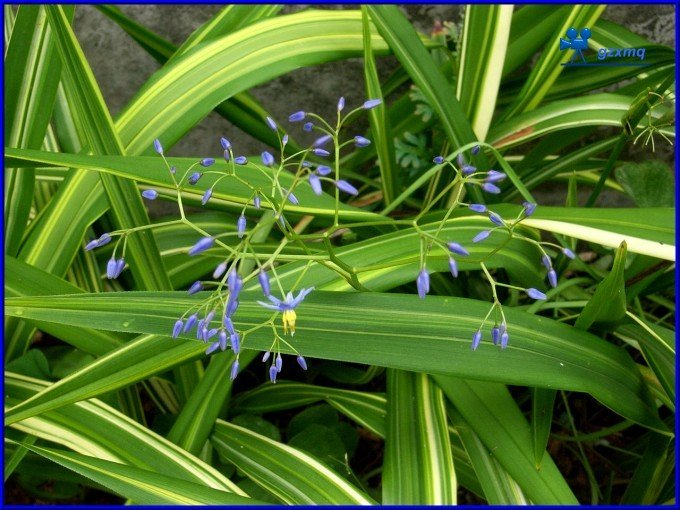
(485, 41)
(142, 486)
(397, 331)
(499, 423)
(289, 474)
(418, 464)
(93, 428)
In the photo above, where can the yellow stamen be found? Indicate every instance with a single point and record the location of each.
(288, 318)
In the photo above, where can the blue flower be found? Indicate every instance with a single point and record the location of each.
(468, 169)
(272, 374)
(235, 340)
(529, 208)
(287, 307)
(491, 188)
(150, 194)
(360, 141)
(235, 283)
(494, 176)
(496, 335)
(157, 146)
(321, 152)
(297, 116)
(438, 160)
(308, 126)
(267, 159)
(476, 339)
(423, 283)
(266, 356)
(545, 260)
(315, 183)
(301, 361)
(226, 322)
(567, 252)
(481, 236)
(291, 198)
(193, 178)
(234, 370)
(323, 170)
(256, 201)
(552, 278)
(278, 362)
(263, 278)
(202, 245)
(535, 294)
(227, 156)
(504, 339)
(371, 103)
(114, 268)
(496, 219)
(207, 162)
(322, 140)
(206, 196)
(453, 267)
(457, 248)
(271, 124)
(219, 270)
(284, 140)
(346, 187)
(177, 329)
(212, 348)
(341, 104)
(241, 160)
(96, 243)
(478, 208)
(475, 150)
(195, 287)
(226, 144)
(191, 321)
(241, 226)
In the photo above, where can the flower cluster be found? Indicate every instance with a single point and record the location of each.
(213, 318)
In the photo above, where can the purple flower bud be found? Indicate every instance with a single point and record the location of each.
(213, 347)
(103, 239)
(282, 221)
(476, 339)
(200, 333)
(226, 144)
(297, 116)
(223, 340)
(494, 176)
(345, 186)
(315, 183)
(210, 334)
(257, 201)
(468, 169)
(504, 340)
(552, 278)
(263, 278)
(177, 329)
(190, 322)
(423, 283)
(241, 160)
(322, 140)
(92, 245)
(226, 321)
(535, 294)
(272, 374)
(209, 317)
(195, 287)
(173, 170)
(267, 159)
(545, 260)
(227, 156)
(150, 194)
(503, 328)
(205, 243)
(360, 141)
(308, 126)
(111, 268)
(234, 370)
(272, 125)
(193, 178)
(232, 306)
(157, 146)
(475, 150)
(207, 162)
(284, 140)
(279, 362)
(529, 208)
(241, 226)
(306, 164)
(321, 152)
(453, 266)
(235, 340)
(206, 196)
(234, 282)
(567, 252)
(458, 249)
(219, 270)
(266, 356)
(371, 103)
(341, 104)
(491, 188)
(481, 236)
(496, 219)
(478, 208)
(495, 335)
(438, 160)
(291, 198)
(301, 361)
(120, 265)
(460, 160)
(323, 170)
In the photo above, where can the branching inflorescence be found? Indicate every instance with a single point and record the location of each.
(212, 317)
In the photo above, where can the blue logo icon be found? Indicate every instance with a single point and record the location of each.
(576, 43)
